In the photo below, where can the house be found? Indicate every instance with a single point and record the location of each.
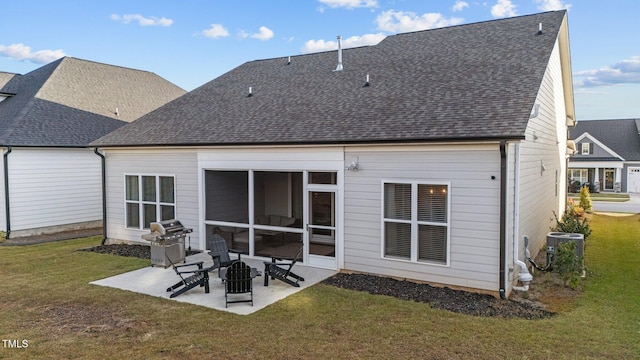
(50, 177)
(429, 156)
(607, 156)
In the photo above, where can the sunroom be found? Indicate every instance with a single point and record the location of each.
(268, 213)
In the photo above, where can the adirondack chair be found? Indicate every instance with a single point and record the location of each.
(220, 253)
(239, 281)
(281, 270)
(189, 279)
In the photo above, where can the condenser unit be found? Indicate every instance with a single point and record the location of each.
(556, 238)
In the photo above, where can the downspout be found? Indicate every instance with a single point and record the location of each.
(503, 213)
(104, 196)
(524, 276)
(7, 208)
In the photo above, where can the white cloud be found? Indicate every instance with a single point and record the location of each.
(354, 41)
(142, 21)
(350, 4)
(215, 31)
(264, 34)
(460, 5)
(23, 52)
(550, 5)
(623, 72)
(503, 8)
(401, 21)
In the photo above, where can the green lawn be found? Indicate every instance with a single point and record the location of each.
(614, 197)
(47, 300)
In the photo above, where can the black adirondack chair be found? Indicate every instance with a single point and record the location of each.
(220, 253)
(189, 279)
(281, 270)
(239, 281)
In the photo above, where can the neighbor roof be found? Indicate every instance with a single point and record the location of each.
(71, 102)
(468, 82)
(621, 136)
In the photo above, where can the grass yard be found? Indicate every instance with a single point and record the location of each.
(612, 197)
(47, 300)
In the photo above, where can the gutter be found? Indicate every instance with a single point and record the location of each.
(7, 208)
(503, 213)
(104, 196)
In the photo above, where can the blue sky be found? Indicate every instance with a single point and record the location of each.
(191, 42)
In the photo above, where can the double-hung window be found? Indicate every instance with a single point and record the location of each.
(416, 221)
(586, 148)
(149, 198)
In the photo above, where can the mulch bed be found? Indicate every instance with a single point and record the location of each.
(458, 301)
(437, 297)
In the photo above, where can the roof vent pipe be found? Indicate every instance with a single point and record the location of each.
(540, 29)
(339, 67)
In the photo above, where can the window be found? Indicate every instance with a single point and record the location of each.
(416, 222)
(580, 175)
(585, 147)
(149, 199)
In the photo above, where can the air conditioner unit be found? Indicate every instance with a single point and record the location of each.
(556, 238)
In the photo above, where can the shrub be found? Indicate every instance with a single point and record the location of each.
(572, 223)
(585, 199)
(568, 265)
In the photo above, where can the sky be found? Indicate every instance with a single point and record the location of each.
(191, 42)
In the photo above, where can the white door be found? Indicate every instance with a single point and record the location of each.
(321, 228)
(633, 180)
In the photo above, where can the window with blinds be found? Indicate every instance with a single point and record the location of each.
(416, 221)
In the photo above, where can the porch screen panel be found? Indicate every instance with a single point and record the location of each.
(227, 196)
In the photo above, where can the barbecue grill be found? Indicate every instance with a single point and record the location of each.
(167, 242)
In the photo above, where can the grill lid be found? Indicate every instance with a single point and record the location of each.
(168, 227)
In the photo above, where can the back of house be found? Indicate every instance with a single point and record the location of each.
(428, 156)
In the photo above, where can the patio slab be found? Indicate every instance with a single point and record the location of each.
(154, 281)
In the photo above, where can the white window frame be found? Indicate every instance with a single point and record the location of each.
(580, 178)
(415, 222)
(157, 203)
(584, 148)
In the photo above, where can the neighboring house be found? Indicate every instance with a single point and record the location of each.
(607, 156)
(50, 177)
(428, 156)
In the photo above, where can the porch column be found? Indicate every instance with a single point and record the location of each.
(596, 179)
(617, 181)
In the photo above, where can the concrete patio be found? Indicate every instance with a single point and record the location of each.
(154, 281)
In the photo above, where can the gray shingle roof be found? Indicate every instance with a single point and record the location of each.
(475, 81)
(621, 136)
(71, 102)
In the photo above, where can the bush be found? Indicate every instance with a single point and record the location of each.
(570, 222)
(585, 199)
(568, 265)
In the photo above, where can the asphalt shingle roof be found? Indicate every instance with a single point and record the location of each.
(71, 102)
(468, 82)
(621, 136)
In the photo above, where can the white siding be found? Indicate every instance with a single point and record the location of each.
(171, 162)
(545, 143)
(53, 187)
(3, 218)
(475, 209)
